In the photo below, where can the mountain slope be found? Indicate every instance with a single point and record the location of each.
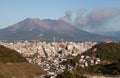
(36, 29)
(115, 34)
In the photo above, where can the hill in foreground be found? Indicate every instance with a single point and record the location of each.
(109, 52)
(10, 56)
(13, 65)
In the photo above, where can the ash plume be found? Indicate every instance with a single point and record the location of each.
(68, 16)
(101, 15)
(97, 20)
(81, 19)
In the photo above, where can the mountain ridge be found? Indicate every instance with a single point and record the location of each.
(46, 30)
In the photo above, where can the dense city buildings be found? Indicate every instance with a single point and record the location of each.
(51, 55)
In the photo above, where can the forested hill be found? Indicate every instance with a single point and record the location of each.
(105, 51)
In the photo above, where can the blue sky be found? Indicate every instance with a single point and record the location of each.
(13, 11)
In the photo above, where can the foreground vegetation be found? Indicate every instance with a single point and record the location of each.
(13, 65)
(10, 56)
(107, 52)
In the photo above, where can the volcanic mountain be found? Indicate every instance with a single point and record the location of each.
(46, 30)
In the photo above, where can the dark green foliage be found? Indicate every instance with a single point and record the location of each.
(80, 71)
(10, 56)
(107, 52)
(65, 74)
(71, 60)
(105, 69)
(68, 74)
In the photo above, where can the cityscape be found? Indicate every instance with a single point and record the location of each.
(60, 39)
(50, 56)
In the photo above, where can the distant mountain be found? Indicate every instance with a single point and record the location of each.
(115, 34)
(36, 29)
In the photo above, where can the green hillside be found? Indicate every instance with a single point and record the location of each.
(109, 52)
(13, 65)
(10, 56)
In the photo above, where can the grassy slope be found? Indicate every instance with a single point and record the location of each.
(10, 56)
(20, 70)
(12, 64)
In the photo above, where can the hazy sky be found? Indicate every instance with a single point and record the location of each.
(13, 11)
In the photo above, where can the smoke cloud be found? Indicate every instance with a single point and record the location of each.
(100, 16)
(68, 16)
(97, 20)
(81, 19)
